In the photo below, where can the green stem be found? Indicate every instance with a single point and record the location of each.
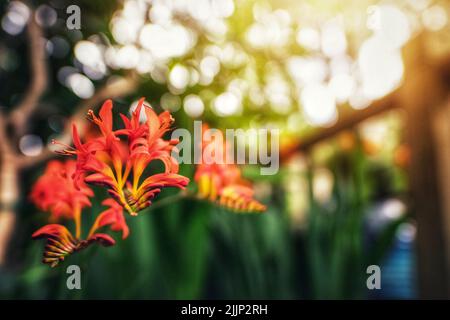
(171, 199)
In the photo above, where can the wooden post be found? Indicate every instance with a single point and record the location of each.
(420, 95)
(441, 131)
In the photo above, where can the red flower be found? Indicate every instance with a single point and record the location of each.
(119, 165)
(146, 140)
(61, 243)
(55, 191)
(113, 216)
(222, 182)
(115, 159)
(240, 198)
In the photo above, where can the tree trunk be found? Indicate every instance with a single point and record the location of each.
(9, 194)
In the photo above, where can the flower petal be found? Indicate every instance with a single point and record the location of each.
(106, 115)
(60, 243)
(56, 190)
(102, 238)
(114, 217)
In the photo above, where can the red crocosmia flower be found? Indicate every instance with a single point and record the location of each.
(119, 164)
(146, 140)
(240, 198)
(113, 217)
(61, 243)
(222, 183)
(55, 192)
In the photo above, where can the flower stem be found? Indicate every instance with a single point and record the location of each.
(171, 199)
(77, 218)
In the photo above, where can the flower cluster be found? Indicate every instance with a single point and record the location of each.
(116, 160)
(221, 182)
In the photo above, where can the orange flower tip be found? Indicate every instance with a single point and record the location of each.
(37, 234)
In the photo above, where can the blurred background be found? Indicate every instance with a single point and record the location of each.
(358, 89)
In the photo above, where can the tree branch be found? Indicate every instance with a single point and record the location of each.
(351, 120)
(6, 149)
(9, 189)
(38, 63)
(115, 89)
